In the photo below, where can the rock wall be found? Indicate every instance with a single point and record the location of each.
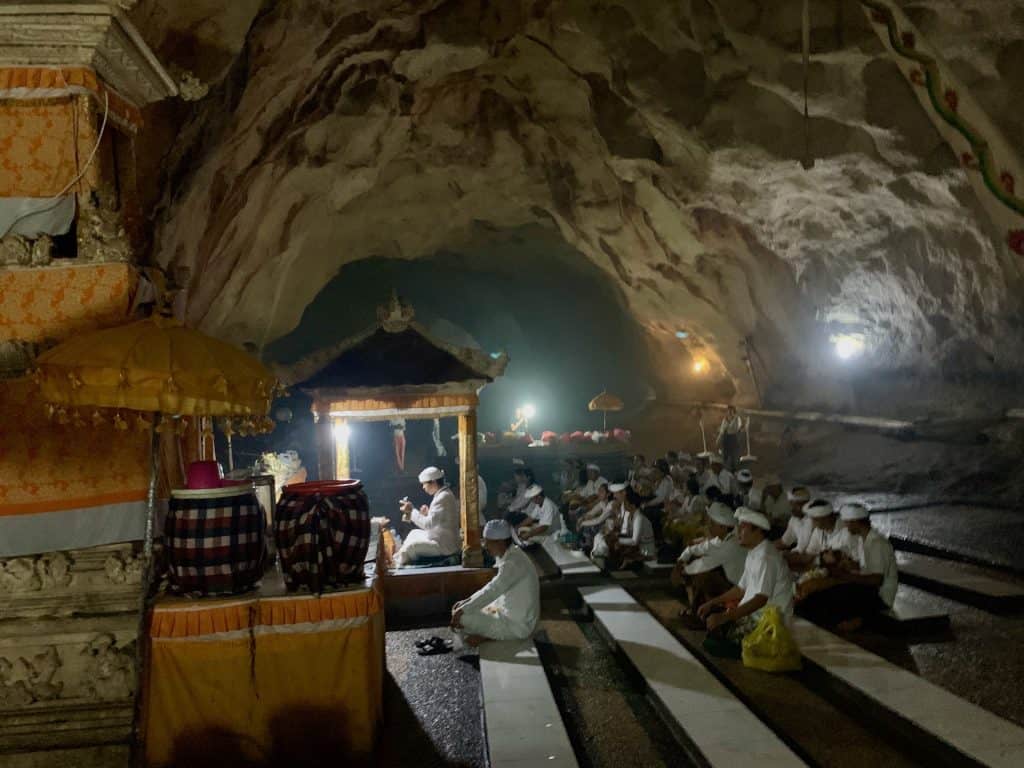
(663, 141)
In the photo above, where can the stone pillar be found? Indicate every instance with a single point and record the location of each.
(472, 555)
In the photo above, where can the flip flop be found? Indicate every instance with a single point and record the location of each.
(428, 641)
(435, 648)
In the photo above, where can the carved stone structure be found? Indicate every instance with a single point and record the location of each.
(67, 656)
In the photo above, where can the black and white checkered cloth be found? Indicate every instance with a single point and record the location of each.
(322, 531)
(214, 546)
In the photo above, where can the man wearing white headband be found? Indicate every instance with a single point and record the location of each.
(437, 526)
(773, 502)
(798, 529)
(862, 579)
(744, 482)
(826, 536)
(766, 580)
(710, 566)
(544, 518)
(586, 494)
(723, 478)
(508, 606)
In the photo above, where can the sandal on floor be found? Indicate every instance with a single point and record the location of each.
(437, 646)
(428, 641)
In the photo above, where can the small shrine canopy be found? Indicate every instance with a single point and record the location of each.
(396, 368)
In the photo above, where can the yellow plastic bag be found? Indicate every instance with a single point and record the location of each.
(770, 646)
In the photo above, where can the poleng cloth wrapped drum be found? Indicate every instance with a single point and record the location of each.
(214, 540)
(322, 531)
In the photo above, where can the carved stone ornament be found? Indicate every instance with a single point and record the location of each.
(96, 35)
(34, 574)
(123, 568)
(395, 316)
(19, 251)
(101, 237)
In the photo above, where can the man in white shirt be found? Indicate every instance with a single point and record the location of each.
(723, 478)
(766, 580)
(654, 507)
(826, 536)
(508, 606)
(593, 521)
(729, 437)
(862, 579)
(635, 541)
(798, 529)
(586, 494)
(774, 503)
(517, 504)
(710, 566)
(744, 482)
(437, 526)
(544, 517)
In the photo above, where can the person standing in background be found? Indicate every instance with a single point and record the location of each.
(398, 427)
(729, 438)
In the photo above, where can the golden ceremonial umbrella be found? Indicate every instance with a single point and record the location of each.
(606, 402)
(154, 366)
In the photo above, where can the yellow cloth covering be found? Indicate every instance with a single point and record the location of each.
(265, 679)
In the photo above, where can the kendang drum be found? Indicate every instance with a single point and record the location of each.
(322, 531)
(214, 538)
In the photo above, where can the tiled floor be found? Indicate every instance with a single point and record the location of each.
(719, 725)
(981, 735)
(524, 727)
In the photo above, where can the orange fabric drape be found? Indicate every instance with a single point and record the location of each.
(59, 302)
(258, 679)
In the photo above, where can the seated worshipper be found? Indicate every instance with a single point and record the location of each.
(825, 536)
(654, 507)
(729, 438)
(860, 581)
(637, 469)
(704, 474)
(798, 529)
(517, 506)
(544, 518)
(744, 482)
(724, 479)
(569, 477)
(684, 517)
(438, 525)
(631, 542)
(766, 580)
(507, 607)
(593, 520)
(774, 503)
(672, 459)
(710, 566)
(586, 494)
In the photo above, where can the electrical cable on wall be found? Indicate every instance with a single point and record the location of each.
(56, 199)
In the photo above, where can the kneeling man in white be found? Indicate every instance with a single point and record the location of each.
(508, 606)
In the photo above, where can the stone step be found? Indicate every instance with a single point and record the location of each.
(966, 583)
(971, 731)
(908, 615)
(570, 562)
(524, 727)
(714, 726)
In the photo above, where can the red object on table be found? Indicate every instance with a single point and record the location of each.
(203, 475)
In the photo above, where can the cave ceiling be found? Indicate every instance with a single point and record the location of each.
(660, 140)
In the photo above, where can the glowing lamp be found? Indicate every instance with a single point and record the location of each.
(681, 334)
(700, 366)
(342, 431)
(847, 346)
(529, 411)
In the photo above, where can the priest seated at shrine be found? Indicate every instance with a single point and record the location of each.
(435, 540)
(508, 606)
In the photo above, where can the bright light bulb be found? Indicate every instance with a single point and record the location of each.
(699, 366)
(529, 411)
(847, 346)
(681, 334)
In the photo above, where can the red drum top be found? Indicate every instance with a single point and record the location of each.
(324, 487)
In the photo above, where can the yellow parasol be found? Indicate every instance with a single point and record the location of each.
(160, 367)
(606, 402)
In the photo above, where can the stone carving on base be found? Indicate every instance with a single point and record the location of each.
(32, 574)
(18, 251)
(101, 237)
(27, 681)
(110, 671)
(123, 568)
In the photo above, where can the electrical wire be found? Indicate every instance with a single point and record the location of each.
(56, 199)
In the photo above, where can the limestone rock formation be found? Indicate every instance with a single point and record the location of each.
(662, 141)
